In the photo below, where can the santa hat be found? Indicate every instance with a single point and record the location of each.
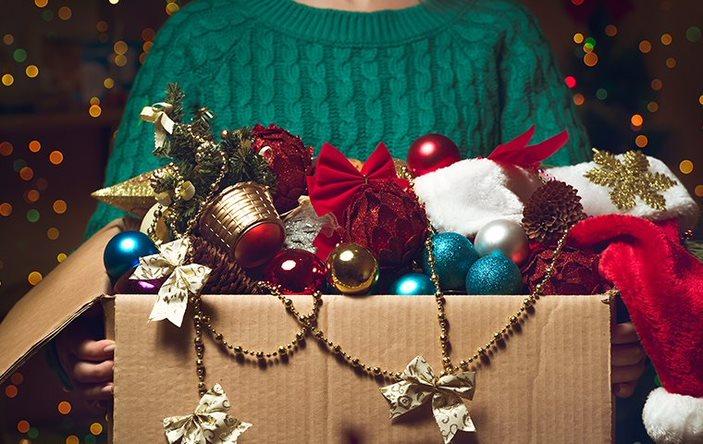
(467, 195)
(661, 284)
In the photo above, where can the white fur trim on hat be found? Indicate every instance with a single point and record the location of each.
(596, 198)
(467, 195)
(671, 418)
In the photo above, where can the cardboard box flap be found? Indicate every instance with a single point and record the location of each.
(550, 382)
(69, 290)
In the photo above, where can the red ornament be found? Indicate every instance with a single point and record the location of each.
(296, 271)
(432, 152)
(125, 285)
(258, 244)
(387, 220)
(289, 159)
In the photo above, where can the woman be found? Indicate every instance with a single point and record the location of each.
(353, 72)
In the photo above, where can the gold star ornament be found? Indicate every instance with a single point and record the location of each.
(134, 195)
(629, 179)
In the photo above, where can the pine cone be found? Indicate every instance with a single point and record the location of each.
(227, 277)
(551, 211)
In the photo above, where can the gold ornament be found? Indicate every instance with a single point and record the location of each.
(418, 385)
(353, 269)
(161, 232)
(401, 167)
(629, 179)
(183, 279)
(210, 423)
(187, 190)
(243, 221)
(134, 195)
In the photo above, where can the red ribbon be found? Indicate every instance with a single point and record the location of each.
(518, 153)
(336, 180)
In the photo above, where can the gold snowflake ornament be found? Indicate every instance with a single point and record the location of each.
(629, 179)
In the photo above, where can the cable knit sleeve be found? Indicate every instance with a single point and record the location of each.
(170, 60)
(533, 90)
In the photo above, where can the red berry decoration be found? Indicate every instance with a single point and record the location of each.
(296, 271)
(387, 220)
(289, 159)
(432, 152)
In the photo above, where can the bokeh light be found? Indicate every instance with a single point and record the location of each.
(657, 84)
(11, 391)
(5, 209)
(698, 190)
(636, 120)
(34, 146)
(95, 111)
(120, 60)
(8, 39)
(652, 107)
(6, 148)
(72, 439)
(32, 196)
(671, 62)
(645, 46)
(8, 79)
(693, 34)
(26, 173)
(23, 426)
(52, 233)
(579, 99)
(33, 215)
(172, 8)
(686, 166)
(20, 55)
(61, 257)
(641, 141)
(41, 3)
(17, 378)
(64, 407)
(34, 278)
(108, 83)
(570, 81)
(65, 13)
(96, 428)
(602, 94)
(60, 206)
(101, 26)
(578, 38)
(56, 157)
(666, 39)
(611, 30)
(590, 59)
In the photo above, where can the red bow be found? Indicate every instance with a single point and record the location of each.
(336, 180)
(518, 153)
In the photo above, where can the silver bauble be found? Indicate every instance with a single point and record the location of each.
(504, 235)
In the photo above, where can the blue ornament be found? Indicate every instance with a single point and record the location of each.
(454, 254)
(123, 251)
(494, 274)
(413, 284)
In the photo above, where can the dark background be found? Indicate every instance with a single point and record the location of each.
(66, 67)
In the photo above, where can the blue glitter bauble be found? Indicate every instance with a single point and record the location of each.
(494, 274)
(454, 254)
(413, 284)
(123, 251)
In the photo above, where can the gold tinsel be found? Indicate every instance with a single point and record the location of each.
(629, 179)
(134, 195)
(552, 209)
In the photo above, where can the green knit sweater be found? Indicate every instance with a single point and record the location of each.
(478, 71)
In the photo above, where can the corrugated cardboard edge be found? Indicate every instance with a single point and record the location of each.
(69, 290)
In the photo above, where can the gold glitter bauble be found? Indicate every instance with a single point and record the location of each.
(134, 195)
(353, 269)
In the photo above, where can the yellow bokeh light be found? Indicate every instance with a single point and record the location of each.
(671, 63)
(652, 107)
(590, 59)
(146, 47)
(34, 146)
(8, 79)
(114, 2)
(579, 99)
(56, 157)
(700, 99)
(34, 278)
(645, 46)
(41, 3)
(686, 166)
(120, 47)
(611, 30)
(32, 71)
(698, 190)
(172, 8)
(95, 111)
(578, 38)
(72, 439)
(108, 83)
(94, 101)
(636, 120)
(60, 206)
(65, 13)
(666, 39)
(120, 60)
(61, 257)
(52, 233)
(96, 428)
(641, 141)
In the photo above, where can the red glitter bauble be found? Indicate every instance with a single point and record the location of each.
(289, 159)
(432, 152)
(576, 271)
(387, 220)
(296, 271)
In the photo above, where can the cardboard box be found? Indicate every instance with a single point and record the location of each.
(550, 383)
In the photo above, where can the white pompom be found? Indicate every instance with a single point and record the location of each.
(671, 418)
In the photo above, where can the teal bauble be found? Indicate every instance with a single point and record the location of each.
(123, 251)
(454, 254)
(494, 274)
(413, 284)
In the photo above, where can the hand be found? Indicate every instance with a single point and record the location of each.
(87, 361)
(628, 359)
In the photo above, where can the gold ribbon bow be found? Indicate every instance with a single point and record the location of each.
(210, 423)
(182, 281)
(418, 384)
(158, 115)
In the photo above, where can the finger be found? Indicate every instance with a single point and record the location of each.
(624, 390)
(624, 333)
(96, 392)
(627, 354)
(90, 350)
(627, 373)
(92, 373)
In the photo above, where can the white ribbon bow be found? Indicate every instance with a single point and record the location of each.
(210, 423)
(418, 385)
(183, 280)
(158, 115)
